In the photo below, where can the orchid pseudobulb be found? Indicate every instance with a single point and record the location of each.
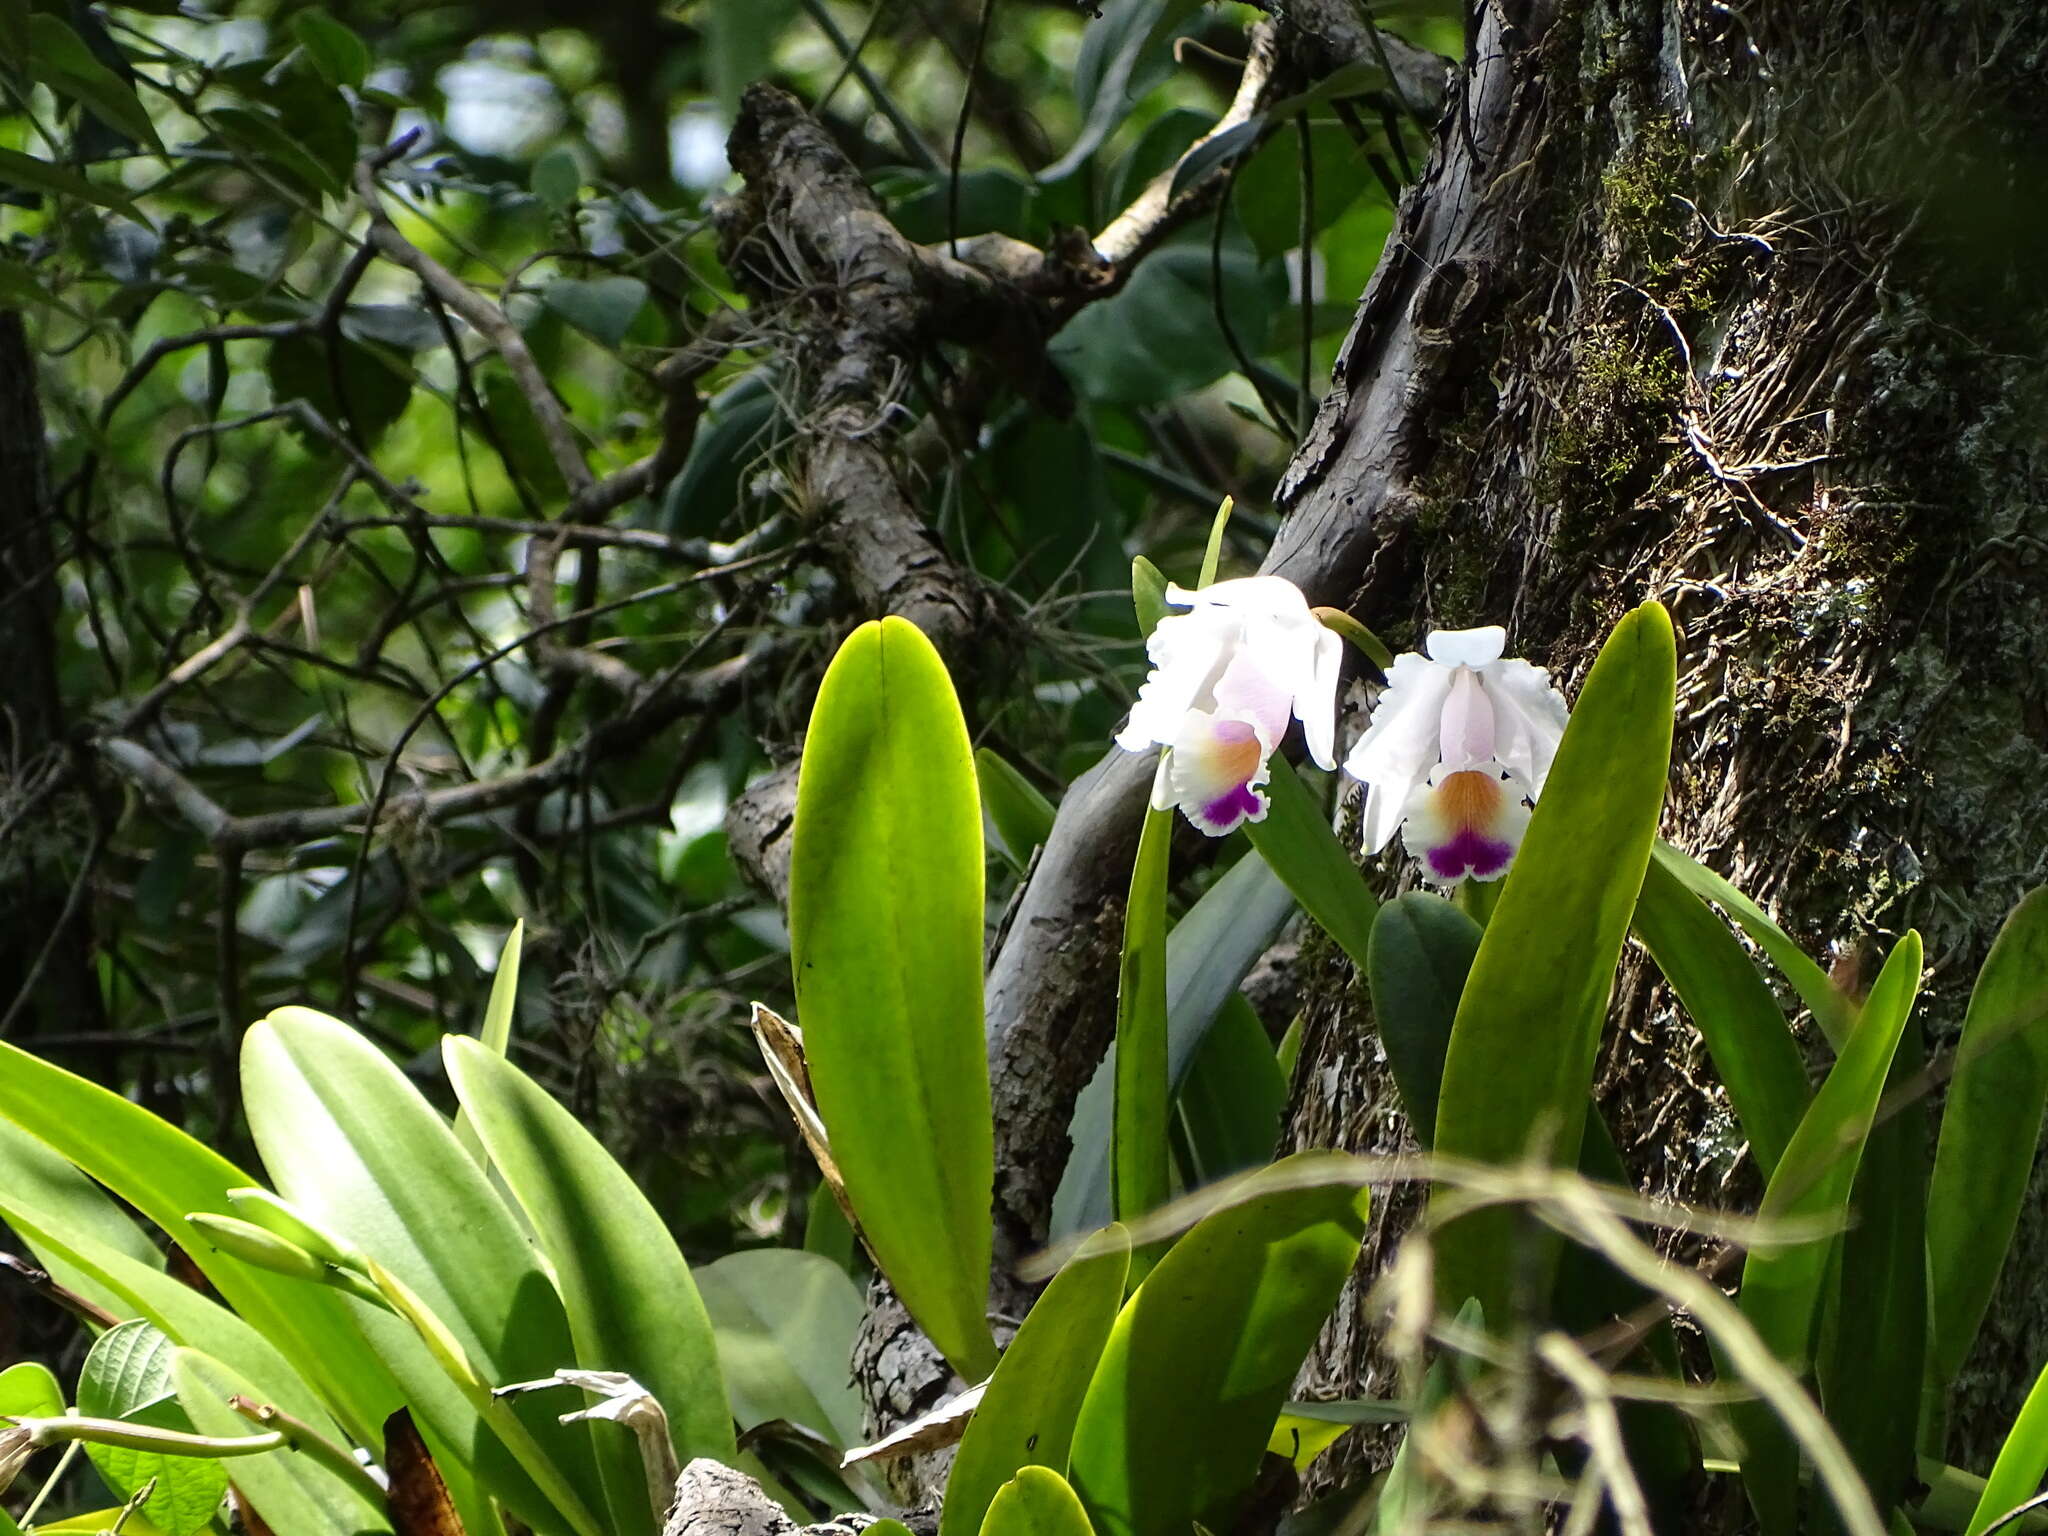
(1457, 747)
(1226, 678)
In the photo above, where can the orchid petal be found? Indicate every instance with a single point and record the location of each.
(1529, 718)
(1250, 691)
(1189, 652)
(1466, 647)
(1466, 823)
(1466, 736)
(1272, 597)
(1316, 705)
(1400, 742)
(1216, 767)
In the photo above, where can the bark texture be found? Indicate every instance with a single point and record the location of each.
(1723, 308)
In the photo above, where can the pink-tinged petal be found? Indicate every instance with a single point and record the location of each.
(1466, 647)
(1189, 652)
(1529, 718)
(1466, 823)
(1216, 768)
(1466, 734)
(1273, 597)
(1316, 705)
(1400, 743)
(1250, 691)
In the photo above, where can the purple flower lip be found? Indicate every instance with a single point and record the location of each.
(1234, 806)
(1470, 854)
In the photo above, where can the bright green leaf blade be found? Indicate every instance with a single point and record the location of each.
(1208, 954)
(1019, 815)
(1874, 1348)
(1422, 949)
(1138, 1164)
(630, 1301)
(1148, 595)
(1027, 1415)
(1229, 1105)
(1732, 1008)
(1537, 995)
(127, 1375)
(2022, 1462)
(29, 1391)
(1833, 1011)
(1036, 1502)
(785, 1323)
(40, 1176)
(1989, 1130)
(60, 59)
(353, 1145)
(603, 308)
(885, 924)
(1296, 840)
(341, 57)
(497, 1027)
(164, 1173)
(33, 175)
(1202, 1356)
(290, 1491)
(1781, 1286)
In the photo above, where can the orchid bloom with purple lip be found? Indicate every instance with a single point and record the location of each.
(1458, 746)
(1226, 678)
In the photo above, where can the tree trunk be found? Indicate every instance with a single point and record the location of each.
(1722, 306)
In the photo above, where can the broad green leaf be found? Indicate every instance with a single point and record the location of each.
(1036, 1502)
(1218, 149)
(1872, 1353)
(1199, 1363)
(1122, 56)
(2022, 1462)
(1018, 814)
(1831, 1009)
(557, 178)
(1781, 1286)
(497, 1027)
(885, 923)
(785, 1322)
(1537, 995)
(60, 59)
(29, 1391)
(1026, 1417)
(292, 1492)
(352, 1144)
(127, 1375)
(1268, 188)
(1732, 1008)
(33, 175)
(1422, 949)
(1296, 840)
(1989, 1130)
(164, 1173)
(1302, 1439)
(631, 1303)
(1229, 1105)
(1208, 954)
(132, 1288)
(39, 1176)
(341, 57)
(603, 308)
(99, 1522)
(1138, 1165)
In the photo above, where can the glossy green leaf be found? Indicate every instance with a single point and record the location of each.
(1537, 995)
(1422, 949)
(60, 59)
(1872, 1353)
(1229, 1105)
(1122, 56)
(603, 308)
(1296, 840)
(1831, 1009)
(341, 57)
(1989, 1130)
(1208, 954)
(290, 1491)
(785, 1322)
(164, 1173)
(1138, 1138)
(557, 178)
(1019, 815)
(1199, 1363)
(127, 1375)
(1026, 1417)
(630, 1301)
(352, 1144)
(496, 1033)
(1728, 1002)
(1781, 1286)
(33, 175)
(885, 923)
(1036, 1502)
(29, 1391)
(2022, 1462)
(40, 1176)
(1148, 595)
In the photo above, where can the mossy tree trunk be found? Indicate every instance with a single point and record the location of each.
(1736, 314)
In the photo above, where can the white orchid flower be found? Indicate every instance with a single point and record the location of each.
(1226, 678)
(1457, 745)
